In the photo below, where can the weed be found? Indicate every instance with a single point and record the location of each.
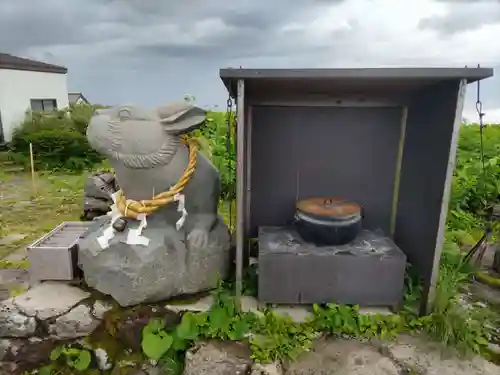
(276, 337)
(344, 320)
(75, 358)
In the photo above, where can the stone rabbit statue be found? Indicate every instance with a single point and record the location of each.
(144, 148)
(154, 257)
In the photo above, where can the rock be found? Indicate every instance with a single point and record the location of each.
(149, 370)
(153, 370)
(484, 293)
(103, 361)
(134, 274)
(204, 304)
(218, 358)
(13, 323)
(249, 304)
(298, 313)
(78, 322)
(12, 280)
(4, 348)
(494, 348)
(374, 311)
(26, 355)
(266, 369)
(96, 194)
(48, 300)
(344, 357)
(423, 357)
(100, 308)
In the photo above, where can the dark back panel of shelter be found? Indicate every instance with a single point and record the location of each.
(299, 152)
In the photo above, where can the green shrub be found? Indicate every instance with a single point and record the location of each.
(58, 139)
(58, 149)
(59, 142)
(215, 132)
(474, 193)
(80, 115)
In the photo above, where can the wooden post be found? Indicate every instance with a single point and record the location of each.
(32, 163)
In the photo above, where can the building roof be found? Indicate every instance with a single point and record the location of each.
(473, 74)
(19, 63)
(348, 78)
(74, 96)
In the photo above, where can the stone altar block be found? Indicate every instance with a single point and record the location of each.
(369, 271)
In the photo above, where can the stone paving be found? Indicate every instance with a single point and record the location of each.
(62, 312)
(65, 312)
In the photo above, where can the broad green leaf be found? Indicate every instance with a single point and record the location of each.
(239, 329)
(218, 318)
(188, 328)
(45, 370)
(179, 344)
(156, 345)
(82, 361)
(481, 341)
(56, 353)
(154, 326)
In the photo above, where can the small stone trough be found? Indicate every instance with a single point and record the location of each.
(54, 256)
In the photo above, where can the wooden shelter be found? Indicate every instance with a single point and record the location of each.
(386, 138)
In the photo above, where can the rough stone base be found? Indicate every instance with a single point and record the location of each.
(134, 274)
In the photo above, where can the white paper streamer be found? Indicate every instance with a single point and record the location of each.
(180, 208)
(134, 236)
(109, 232)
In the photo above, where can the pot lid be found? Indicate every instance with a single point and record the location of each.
(329, 206)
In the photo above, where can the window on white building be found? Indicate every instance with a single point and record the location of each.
(43, 105)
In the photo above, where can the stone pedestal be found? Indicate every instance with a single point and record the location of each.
(369, 271)
(165, 268)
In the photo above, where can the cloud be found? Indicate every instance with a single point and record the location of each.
(464, 16)
(149, 51)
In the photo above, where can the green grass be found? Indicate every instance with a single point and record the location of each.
(58, 198)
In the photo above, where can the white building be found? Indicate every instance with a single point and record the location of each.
(28, 85)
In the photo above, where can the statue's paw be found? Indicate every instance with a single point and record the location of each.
(197, 239)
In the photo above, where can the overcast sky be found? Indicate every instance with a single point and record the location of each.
(151, 51)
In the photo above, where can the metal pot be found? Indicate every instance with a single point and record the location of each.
(327, 221)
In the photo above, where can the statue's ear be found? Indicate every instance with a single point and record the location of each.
(181, 117)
